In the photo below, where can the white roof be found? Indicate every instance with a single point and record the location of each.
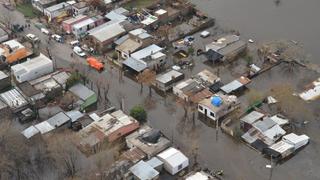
(157, 55)
(83, 23)
(312, 93)
(149, 20)
(198, 176)
(281, 147)
(173, 157)
(160, 12)
(279, 120)
(112, 15)
(252, 117)
(3, 75)
(144, 171)
(294, 138)
(275, 132)
(44, 127)
(168, 76)
(143, 53)
(31, 64)
(13, 44)
(108, 31)
(58, 119)
(30, 131)
(138, 31)
(232, 86)
(57, 7)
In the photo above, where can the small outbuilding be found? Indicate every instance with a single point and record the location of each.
(174, 160)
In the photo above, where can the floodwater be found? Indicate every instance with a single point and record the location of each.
(264, 20)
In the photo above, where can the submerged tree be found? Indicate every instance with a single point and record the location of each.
(139, 113)
(147, 77)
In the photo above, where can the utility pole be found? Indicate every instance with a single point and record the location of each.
(271, 168)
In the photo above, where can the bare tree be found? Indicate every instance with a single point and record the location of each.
(147, 77)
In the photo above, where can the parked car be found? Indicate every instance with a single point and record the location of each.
(75, 43)
(33, 38)
(87, 49)
(205, 34)
(57, 38)
(95, 63)
(45, 31)
(79, 51)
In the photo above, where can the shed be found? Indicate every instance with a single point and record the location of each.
(165, 81)
(58, 119)
(30, 131)
(85, 94)
(174, 160)
(44, 127)
(143, 171)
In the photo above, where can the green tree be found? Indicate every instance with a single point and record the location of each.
(139, 113)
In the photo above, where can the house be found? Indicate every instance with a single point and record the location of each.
(79, 8)
(289, 144)
(266, 131)
(4, 36)
(143, 171)
(57, 11)
(5, 81)
(79, 97)
(236, 85)
(12, 52)
(167, 80)
(148, 140)
(247, 121)
(32, 68)
(138, 38)
(67, 24)
(217, 106)
(42, 4)
(225, 48)
(190, 87)
(81, 28)
(150, 57)
(104, 35)
(312, 92)
(174, 160)
(15, 100)
(107, 129)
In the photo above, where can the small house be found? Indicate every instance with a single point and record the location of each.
(106, 129)
(297, 141)
(12, 52)
(143, 171)
(84, 97)
(148, 140)
(67, 24)
(167, 80)
(217, 106)
(174, 160)
(42, 4)
(81, 28)
(138, 38)
(5, 81)
(104, 35)
(247, 121)
(32, 68)
(79, 8)
(57, 11)
(236, 85)
(150, 57)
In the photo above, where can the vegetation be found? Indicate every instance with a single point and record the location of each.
(26, 10)
(139, 113)
(147, 77)
(138, 4)
(75, 78)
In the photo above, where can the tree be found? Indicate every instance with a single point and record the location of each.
(147, 77)
(139, 113)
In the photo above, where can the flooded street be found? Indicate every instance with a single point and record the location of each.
(265, 20)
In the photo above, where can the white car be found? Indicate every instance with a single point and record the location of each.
(79, 51)
(32, 37)
(57, 38)
(205, 34)
(45, 31)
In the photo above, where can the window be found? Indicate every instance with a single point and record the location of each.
(201, 108)
(180, 167)
(211, 114)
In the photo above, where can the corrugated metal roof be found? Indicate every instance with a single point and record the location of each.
(74, 115)
(14, 98)
(252, 117)
(168, 76)
(3, 75)
(30, 131)
(264, 125)
(232, 86)
(143, 53)
(115, 16)
(107, 31)
(154, 162)
(136, 65)
(58, 119)
(144, 171)
(81, 91)
(58, 7)
(44, 127)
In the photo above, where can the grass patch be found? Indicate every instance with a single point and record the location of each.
(138, 4)
(26, 10)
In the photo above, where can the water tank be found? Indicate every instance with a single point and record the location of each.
(216, 101)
